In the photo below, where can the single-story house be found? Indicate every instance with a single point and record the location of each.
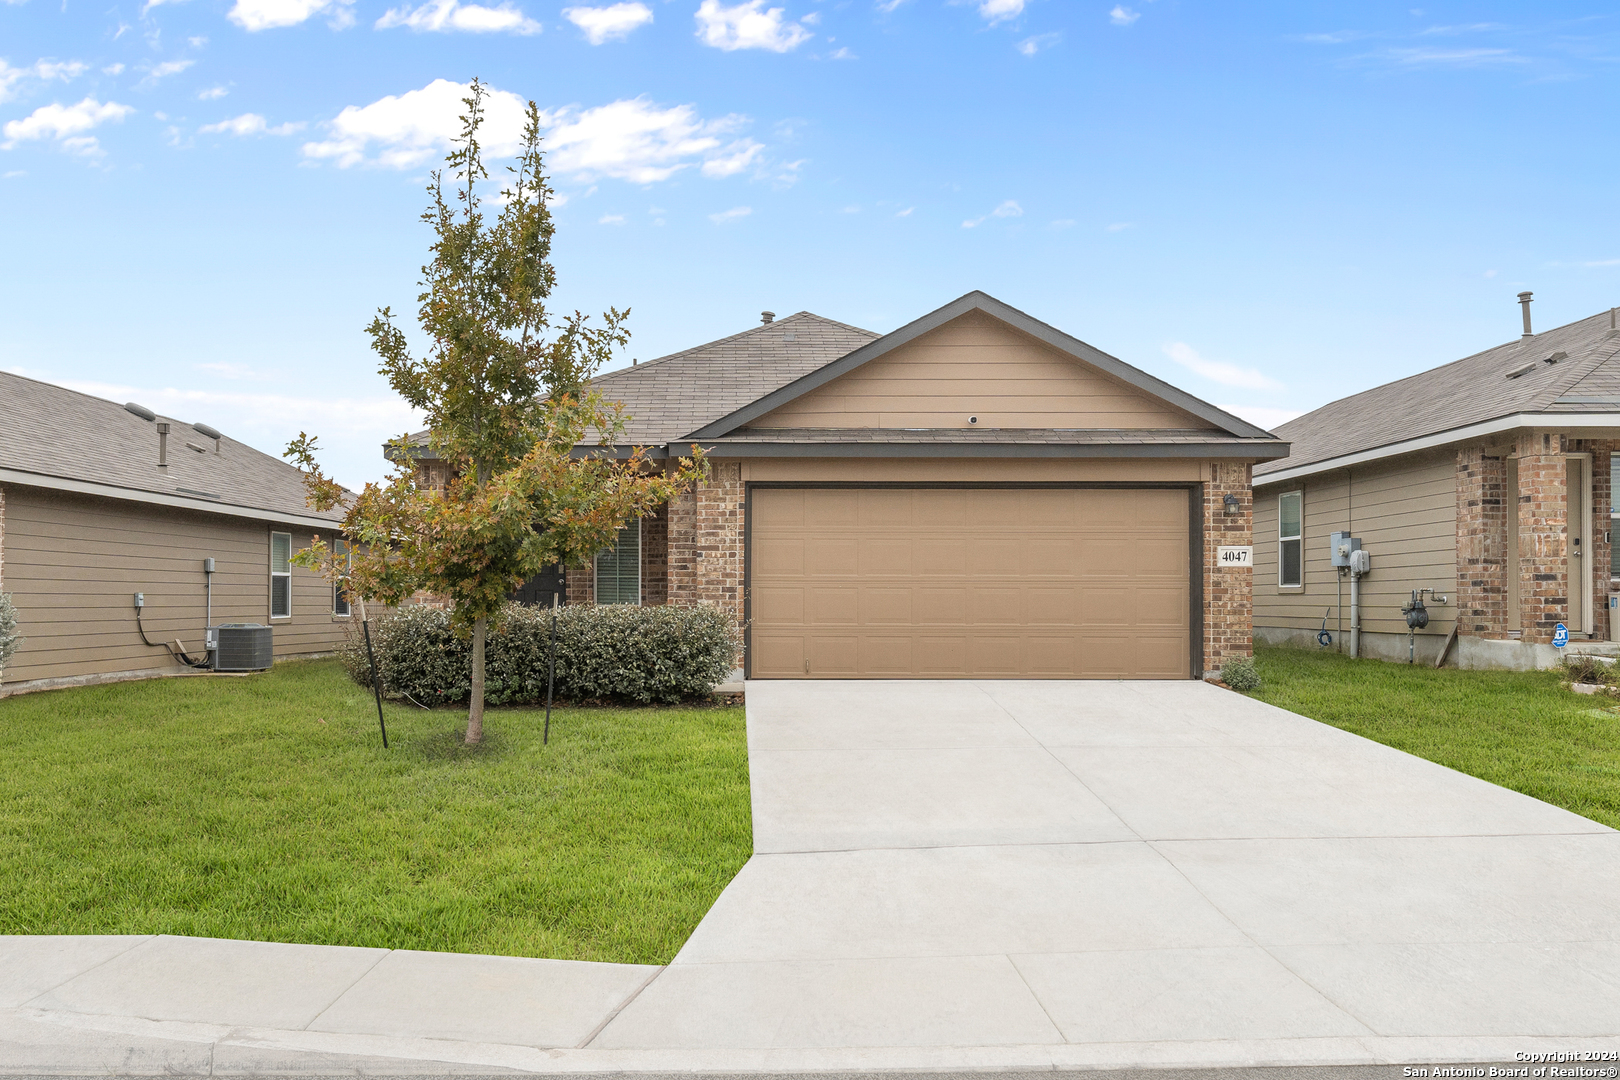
(976, 494)
(1486, 480)
(100, 501)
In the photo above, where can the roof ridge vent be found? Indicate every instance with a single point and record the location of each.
(140, 410)
(1523, 369)
(1555, 357)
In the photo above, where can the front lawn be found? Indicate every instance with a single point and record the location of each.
(264, 808)
(1519, 729)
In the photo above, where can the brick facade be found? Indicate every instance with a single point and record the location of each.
(706, 542)
(1543, 503)
(1482, 555)
(1228, 593)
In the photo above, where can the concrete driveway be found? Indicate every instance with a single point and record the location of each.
(1109, 873)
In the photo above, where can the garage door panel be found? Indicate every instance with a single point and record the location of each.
(835, 606)
(1039, 583)
(780, 605)
(826, 557)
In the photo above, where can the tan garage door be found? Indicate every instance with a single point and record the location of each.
(943, 583)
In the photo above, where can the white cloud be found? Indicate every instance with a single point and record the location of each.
(998, 11)
(1118, 226)
(66, 124)
(213, 93)
(1062, 223)
(611, 219)
(736, 157)
(1466, 58)
(843, 52)
(611, 23)
(1219, 371)
(197, 42)
(249, 124)
(887, 6)
(165, 69)
(731, 215)
(632, 139)
(746, 26)
(43, 70)
(256, 15)
(113, 69)
(1008, 209)
(443, 16)
(906, 212)
(417, 126)
(1032, 45)
(1123, 16)
(1265, 417)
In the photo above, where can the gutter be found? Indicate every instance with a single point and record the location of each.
(1264, 451)
(1564, 421)
(157, 498)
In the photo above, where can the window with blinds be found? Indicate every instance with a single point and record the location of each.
(280, 575)
(618, 569)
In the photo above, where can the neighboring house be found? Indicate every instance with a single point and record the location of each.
(973, 495)
(1487, 480)
(91, 514)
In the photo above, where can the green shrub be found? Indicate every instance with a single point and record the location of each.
(616, 653)
(1240, 674)
(9, 637)
(1581, 668)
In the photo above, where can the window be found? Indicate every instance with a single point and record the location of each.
(618, 569)
(280, 575)
(340, 592)
(1290, 545)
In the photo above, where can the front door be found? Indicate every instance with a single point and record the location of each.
(1579, 479)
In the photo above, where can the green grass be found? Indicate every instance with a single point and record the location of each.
(1519, 729)
(264, 808)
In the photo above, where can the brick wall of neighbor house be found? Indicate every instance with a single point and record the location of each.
(1543, 519)
(1228, 593)
(706, 542)
(1482, 522)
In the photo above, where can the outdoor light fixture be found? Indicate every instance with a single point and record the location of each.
(1231, 504)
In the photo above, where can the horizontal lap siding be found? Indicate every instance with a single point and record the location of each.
(73, 563)
(1405, 514)
(976, 366)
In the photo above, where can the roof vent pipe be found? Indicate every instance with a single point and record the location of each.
(1524, 305)
(163, 446)
(205, 430)
(767, 317)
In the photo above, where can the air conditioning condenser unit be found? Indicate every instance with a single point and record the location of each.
(243, 647)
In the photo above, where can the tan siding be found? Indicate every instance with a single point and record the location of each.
(977, 366)
(74, 562)
(1405, 513)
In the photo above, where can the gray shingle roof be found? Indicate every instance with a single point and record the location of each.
(1467, 391)
(673, 396)
(56, 434)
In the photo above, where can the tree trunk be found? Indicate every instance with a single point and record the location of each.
(475, 710)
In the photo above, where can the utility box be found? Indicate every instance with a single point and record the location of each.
(1342, 544)
(243, 647)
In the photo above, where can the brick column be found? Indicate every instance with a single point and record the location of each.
(1543, 536)
(706, 542)
(655, 558)
(1482, 524)
(1228, 593)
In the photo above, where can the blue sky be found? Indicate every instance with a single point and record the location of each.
(1271, 205)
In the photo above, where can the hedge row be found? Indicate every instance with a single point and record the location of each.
(612, 653)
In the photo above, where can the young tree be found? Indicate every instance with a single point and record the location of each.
(506, 396)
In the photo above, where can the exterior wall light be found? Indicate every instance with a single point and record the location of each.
(1231, 503)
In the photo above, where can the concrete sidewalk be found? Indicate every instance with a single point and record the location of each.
(958, 876)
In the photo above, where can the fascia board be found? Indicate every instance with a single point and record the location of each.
(157, 498)
(1263, 452)
(980, 301)
(1562, 421)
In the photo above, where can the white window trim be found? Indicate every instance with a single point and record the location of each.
(274, 574)
(596, 578)
(1298, 537)
(348, 554)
